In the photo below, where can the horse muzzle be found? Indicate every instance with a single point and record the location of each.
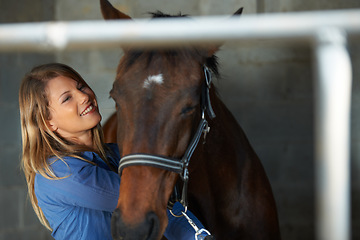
(146, 230)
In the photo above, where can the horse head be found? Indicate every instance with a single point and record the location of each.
(159, 107)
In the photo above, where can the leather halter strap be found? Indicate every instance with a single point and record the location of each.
(205, 96)
(174, 165)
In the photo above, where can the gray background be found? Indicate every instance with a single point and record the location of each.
(268, 87)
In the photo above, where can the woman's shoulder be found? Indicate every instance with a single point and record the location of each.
(65, 161)
(63, 166)
(66, 165)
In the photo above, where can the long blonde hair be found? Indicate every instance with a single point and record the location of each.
(38, 141)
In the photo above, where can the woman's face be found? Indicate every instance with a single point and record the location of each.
(73, 109)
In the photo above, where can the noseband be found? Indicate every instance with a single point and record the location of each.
(179, 166)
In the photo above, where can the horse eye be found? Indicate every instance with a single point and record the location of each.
(188, 110)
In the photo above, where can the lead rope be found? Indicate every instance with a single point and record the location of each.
(197, 230)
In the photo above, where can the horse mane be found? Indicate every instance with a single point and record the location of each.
(170, 54)
(159, 14)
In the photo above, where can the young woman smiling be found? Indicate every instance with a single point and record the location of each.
(70, 172)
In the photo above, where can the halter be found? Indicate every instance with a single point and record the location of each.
(179, 166)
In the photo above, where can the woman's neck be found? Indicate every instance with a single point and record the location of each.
(84, 139)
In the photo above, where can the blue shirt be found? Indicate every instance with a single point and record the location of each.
(80, 205)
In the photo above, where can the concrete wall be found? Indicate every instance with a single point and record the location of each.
(17, 218)
(268, 87)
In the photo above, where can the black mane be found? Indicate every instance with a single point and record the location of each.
(159, 14)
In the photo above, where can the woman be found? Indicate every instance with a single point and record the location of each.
(70, 172)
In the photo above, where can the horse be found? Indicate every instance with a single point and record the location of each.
(174, 132)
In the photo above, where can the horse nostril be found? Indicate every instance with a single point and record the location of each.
(116, 225)
(147, 229)
(153, 225)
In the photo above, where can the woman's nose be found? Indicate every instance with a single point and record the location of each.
(83, 97)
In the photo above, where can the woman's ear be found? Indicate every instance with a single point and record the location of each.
(51, 125)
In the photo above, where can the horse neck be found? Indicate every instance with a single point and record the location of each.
(224, 127)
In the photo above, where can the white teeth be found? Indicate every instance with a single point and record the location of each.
(86, 110)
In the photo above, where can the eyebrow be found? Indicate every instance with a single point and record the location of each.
(78, 83)
(68, 91)
(63, 94)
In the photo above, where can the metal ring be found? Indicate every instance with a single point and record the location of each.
(181, 215)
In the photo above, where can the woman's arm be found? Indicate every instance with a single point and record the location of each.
(84, 184)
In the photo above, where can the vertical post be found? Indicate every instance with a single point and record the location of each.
(332, 135)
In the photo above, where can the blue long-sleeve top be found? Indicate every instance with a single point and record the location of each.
(79, 206)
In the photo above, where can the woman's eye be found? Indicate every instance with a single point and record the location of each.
(66, 99)
(82, 87)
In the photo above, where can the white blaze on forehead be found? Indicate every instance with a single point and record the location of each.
(158, 79)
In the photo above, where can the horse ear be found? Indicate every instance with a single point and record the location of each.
(111, 13)
(239, 11)
(213, 49)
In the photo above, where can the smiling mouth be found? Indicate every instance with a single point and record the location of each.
(87, 110)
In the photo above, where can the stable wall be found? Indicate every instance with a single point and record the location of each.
(268, 87)
(17, 219)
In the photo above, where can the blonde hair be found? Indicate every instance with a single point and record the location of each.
(38, 141)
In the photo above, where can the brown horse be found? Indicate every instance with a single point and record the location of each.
(165, 103)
